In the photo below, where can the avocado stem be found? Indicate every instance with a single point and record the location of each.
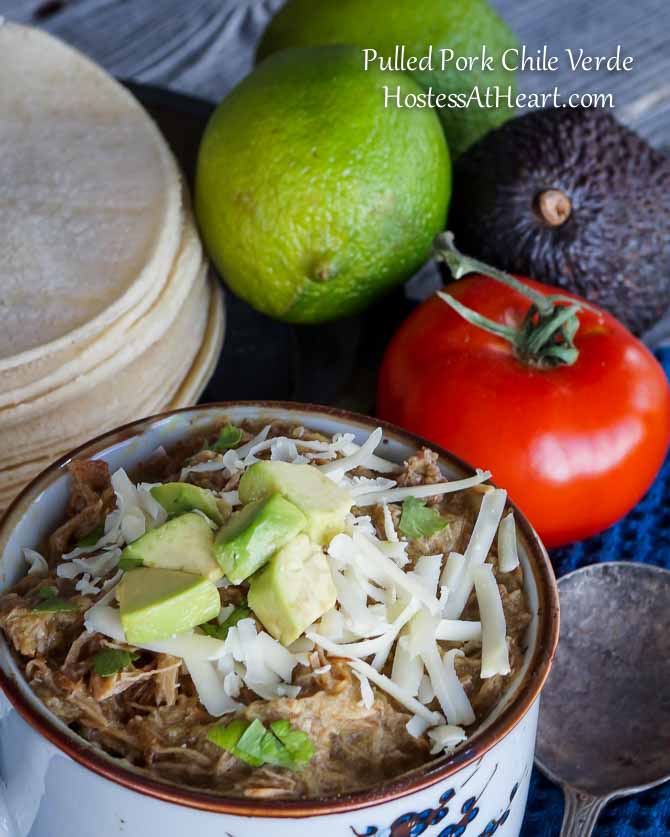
(553, 206)
(546, 336)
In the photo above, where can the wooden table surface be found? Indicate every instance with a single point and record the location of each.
(202, 47)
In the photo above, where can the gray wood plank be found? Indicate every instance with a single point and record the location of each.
(203, 47)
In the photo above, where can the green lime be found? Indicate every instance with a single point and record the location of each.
(312, 197)
(465, 27)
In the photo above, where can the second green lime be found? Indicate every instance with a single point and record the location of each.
(311, 196)
(467, 35)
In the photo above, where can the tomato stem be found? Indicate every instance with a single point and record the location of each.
(506, 332)
(546, 336)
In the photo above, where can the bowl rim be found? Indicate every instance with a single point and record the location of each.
(90, 757)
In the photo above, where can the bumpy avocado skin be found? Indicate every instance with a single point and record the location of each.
(614, 247)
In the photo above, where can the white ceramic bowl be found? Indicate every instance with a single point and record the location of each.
(54, 783)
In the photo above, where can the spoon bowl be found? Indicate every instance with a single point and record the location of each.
(604, 726)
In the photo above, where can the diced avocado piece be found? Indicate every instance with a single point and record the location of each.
(180, 497)
(254, 534)
(324, 504)
(156, 604)
(293, 590)
(184, 543)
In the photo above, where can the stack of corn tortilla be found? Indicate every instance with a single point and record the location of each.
(108, 311)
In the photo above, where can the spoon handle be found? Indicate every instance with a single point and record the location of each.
(581, 812)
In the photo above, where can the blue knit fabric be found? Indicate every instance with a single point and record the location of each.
(643, 535)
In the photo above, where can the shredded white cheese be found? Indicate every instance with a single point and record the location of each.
(426, 691)
(395, 495)
(216, 700)
(95, 566)
(456, 630)
(286, 449)
(339, 467)
(331, 625)
(346, 443)
(367, 695)
(453, 570)
(232, 683)
(446, 738)
(396, 550)
(287, 691)
(85, 587)
(364, 485)
(416, 726)
(37, 564)
(383, 569)
(275, 656)
(380, 658)
(361, 523)
(508, 556)
(407, 668)
(302, 645)
(149, 504)
(354, 650)
(427, 569)
(389, 526)
(486, 526)
(136, 511)
(495, 655)
(463, 712)
(110, 585)
(393, 548)
(370, 646)
(445, 683)
(360, 619)
(404, 699)
(283, 449)
(244, 450)
(216, 464)
(266, 665)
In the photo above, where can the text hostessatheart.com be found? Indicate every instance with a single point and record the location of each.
(495, 95)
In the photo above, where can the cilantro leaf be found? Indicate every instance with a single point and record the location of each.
(55, 605)
(130, 563)
(258, 743)
(221, 631)
(229, 437)
(281, 745)
(51, 603)
(92, 538)
(297, 742)
(226, 737)
(418, 520)
(110, 660)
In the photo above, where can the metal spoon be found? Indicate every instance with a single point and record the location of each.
(604, 727)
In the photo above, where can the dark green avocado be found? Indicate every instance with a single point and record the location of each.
(572, 198)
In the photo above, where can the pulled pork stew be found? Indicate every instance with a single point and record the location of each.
(349, 614)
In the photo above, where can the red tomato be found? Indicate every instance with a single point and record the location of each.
(576, 446)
